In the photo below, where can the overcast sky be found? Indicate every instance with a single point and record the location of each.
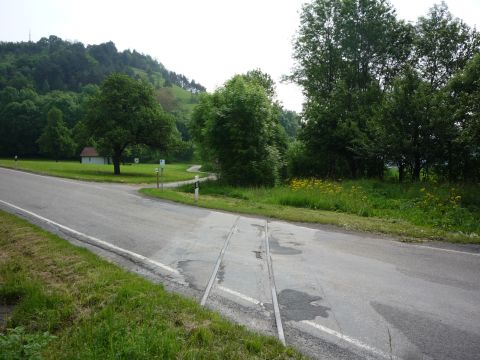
(207, 40)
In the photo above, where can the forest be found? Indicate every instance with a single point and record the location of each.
(385, 93)
(61, 75)
(53, 73)
(381, 95)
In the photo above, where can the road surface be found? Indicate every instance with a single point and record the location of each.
(340, 295)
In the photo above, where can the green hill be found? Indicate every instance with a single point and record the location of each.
(34, 76)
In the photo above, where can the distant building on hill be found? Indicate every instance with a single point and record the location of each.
(90, 155)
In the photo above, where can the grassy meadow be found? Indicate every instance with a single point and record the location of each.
(411, 210)
(131, 174)
(70, 304)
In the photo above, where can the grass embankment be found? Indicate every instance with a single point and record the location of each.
(95, 310)
(411, 211)
(132, 174)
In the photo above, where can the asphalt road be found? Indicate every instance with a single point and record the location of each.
(340, 295)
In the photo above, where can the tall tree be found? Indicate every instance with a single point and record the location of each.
(347, 53)
(407, 128)
(238, 126)
(56, 139)
(463, 99)
(443, 45)
(21, 122)
(126, 113)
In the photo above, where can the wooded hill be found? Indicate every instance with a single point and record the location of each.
(56, 64)
(34, 76)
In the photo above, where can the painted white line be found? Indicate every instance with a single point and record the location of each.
(56, 178)
(350, 340)
(446, 250)
(217, 264)
(239, 295)
(276, 309)
(95, 241)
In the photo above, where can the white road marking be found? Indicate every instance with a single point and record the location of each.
(56, 178)
(217, 264)
(95, 241)
(276, 309)
(447, 250)
(239, 295)
(350, 340)
(92, 185)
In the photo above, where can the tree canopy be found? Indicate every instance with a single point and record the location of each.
(237, 126)
(376, 90)
(56, 139)
(34, 77)
(126, 113)
(56, 64)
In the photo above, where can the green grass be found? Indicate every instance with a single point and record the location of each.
(411, 211)
(70, 304)
(132, 174)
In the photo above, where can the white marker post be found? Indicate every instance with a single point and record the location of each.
(197, 187)
(162, 165)
(156, 170)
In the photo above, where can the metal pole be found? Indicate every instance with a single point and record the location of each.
(157, 179)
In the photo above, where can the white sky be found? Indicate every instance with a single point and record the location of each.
(207, 40)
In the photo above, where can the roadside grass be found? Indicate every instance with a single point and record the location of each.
(131, 174)
(70, 304)
(422, 211)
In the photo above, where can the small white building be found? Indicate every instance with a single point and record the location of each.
(89, 155)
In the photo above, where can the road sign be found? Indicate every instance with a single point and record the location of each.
(162, 163)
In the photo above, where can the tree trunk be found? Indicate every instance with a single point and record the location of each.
(416, 169)
(116, 163)
(401, 172)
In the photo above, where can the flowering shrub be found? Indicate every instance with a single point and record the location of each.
(435, 202)
(327, 195)
(325, 186)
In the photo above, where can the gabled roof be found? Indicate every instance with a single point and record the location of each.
(89, 151)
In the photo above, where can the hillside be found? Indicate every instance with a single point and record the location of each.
(34, 76)
(55, 64)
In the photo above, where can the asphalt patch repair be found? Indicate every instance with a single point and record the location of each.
(297, 306)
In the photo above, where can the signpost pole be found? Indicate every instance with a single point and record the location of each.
(162, 165)
(197, 186)
(157, 178)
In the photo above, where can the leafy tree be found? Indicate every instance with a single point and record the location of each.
(347, 53)
(125, 113)
(66, 102)
(82, 137)
(262, 79)
(238, 126)
(56, 139)
(290, 121)
(21, 122)
(463, 99)
(407, 125)
(443, 45)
